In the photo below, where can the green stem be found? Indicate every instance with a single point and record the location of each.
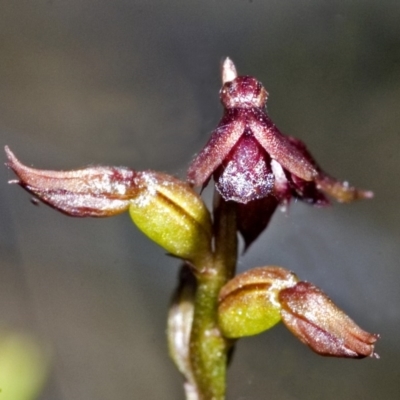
(208, 348)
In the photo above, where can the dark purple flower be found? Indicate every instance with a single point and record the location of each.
(250, 159)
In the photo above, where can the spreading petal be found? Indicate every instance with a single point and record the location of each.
(341, 191)
(218, 147)
(280, 147)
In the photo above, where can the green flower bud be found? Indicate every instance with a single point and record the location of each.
(248, 303)
(172, 214)
(166, 209)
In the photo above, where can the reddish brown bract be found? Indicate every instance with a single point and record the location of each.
(326, 329)
(91, 192)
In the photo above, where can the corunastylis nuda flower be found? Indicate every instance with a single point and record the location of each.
(250, 159)
(164, 208)
(259, 298)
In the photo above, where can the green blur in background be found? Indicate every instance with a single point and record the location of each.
(24, 366)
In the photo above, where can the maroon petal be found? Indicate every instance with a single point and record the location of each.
(94, 191)
(302, 148)
(253, 218)
(307, 192)
(340, 191)
(218, 147)
(280, 147)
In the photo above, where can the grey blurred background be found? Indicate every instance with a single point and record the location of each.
(136, 83)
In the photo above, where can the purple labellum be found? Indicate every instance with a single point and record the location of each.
(245, 173)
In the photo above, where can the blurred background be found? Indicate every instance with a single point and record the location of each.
(136, 83)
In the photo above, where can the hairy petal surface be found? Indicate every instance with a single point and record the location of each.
(280, 147)
(90, 192)
(310, 192)
(314, 319)
(218, 147)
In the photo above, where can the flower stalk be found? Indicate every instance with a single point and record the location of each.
(208, 347)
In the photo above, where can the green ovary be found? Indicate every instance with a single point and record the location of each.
(247, 315)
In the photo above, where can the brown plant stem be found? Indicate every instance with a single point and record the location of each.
(208, 348)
